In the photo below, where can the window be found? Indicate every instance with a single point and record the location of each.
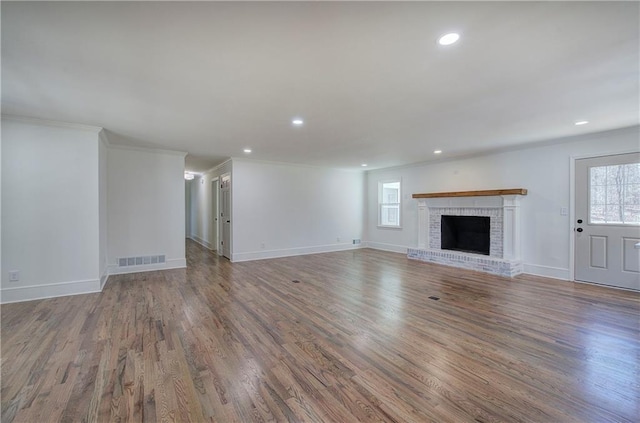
(389, 204)
(614, 194)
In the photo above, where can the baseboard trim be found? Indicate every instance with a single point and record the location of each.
(606, 286)
(387, 247)
(290, 252)
(205, 244)
(52, 290)
(169, 264)
(546, 271)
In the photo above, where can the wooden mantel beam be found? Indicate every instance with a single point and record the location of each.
(485, 193)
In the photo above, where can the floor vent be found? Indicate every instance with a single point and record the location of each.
(295, 281)
(140, 261)
(434, 298)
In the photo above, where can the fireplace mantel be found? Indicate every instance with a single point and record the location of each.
(485, 193)
(503, 208)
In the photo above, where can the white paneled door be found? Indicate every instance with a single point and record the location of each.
(607, 225)
(225, 214)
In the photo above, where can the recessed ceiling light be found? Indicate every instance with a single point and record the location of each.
(297, 121)
(189, 176)
(364, 165)
(437, 151)
(448, 39)
(247, 150)
(581, 122)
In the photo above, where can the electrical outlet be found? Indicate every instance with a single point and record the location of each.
(338, 239)
(262, 245)
(564, 211)
(14, 275)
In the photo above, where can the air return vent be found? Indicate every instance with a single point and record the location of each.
(140, 260)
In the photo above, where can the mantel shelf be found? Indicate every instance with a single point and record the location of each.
(486, 193)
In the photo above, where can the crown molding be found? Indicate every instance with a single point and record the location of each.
(100, 131)
(147, 150)
(510, 148)
(216, 167)
(104, 138)
(294, 164)
(54, 123)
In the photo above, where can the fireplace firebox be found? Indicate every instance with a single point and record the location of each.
(469, 234)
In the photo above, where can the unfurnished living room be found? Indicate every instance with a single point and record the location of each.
(320, 211)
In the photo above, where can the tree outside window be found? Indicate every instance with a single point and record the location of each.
(614, 194)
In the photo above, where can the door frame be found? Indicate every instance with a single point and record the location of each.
(223, 176)
(572, 206)
(215, 211)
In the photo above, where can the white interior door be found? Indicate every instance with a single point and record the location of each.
(607, 226)
(225, 214)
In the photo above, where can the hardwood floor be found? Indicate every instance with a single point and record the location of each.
(357, 339)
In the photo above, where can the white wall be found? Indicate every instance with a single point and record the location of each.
(201, 218)
(282, 210)
(146, 206)
(542, 169)
(1, 124)
(50, 210)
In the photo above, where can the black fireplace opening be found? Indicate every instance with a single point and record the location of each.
(469, 234)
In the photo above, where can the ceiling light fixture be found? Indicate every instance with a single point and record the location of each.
(581, 122)
(448, 39)
(437, 151)
(364, 165)
(247, 150)
(297, 121)
(189, 176)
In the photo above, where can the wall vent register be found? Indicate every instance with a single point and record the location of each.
(141, 260)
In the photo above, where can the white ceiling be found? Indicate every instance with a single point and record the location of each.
(369, 79)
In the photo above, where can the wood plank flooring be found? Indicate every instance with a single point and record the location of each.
(357, 339)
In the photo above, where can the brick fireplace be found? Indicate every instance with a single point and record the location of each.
(502, 207)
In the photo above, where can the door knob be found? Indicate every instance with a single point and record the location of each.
(579, 229)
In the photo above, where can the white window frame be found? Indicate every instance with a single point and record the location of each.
(382, 203)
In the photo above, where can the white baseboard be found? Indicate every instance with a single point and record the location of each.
(63, 289)
(546, 271)
(169, 264)
(289, 252)
(39, 292)
(387, 247)
(205, 244)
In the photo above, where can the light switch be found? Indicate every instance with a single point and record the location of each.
(564, 211)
